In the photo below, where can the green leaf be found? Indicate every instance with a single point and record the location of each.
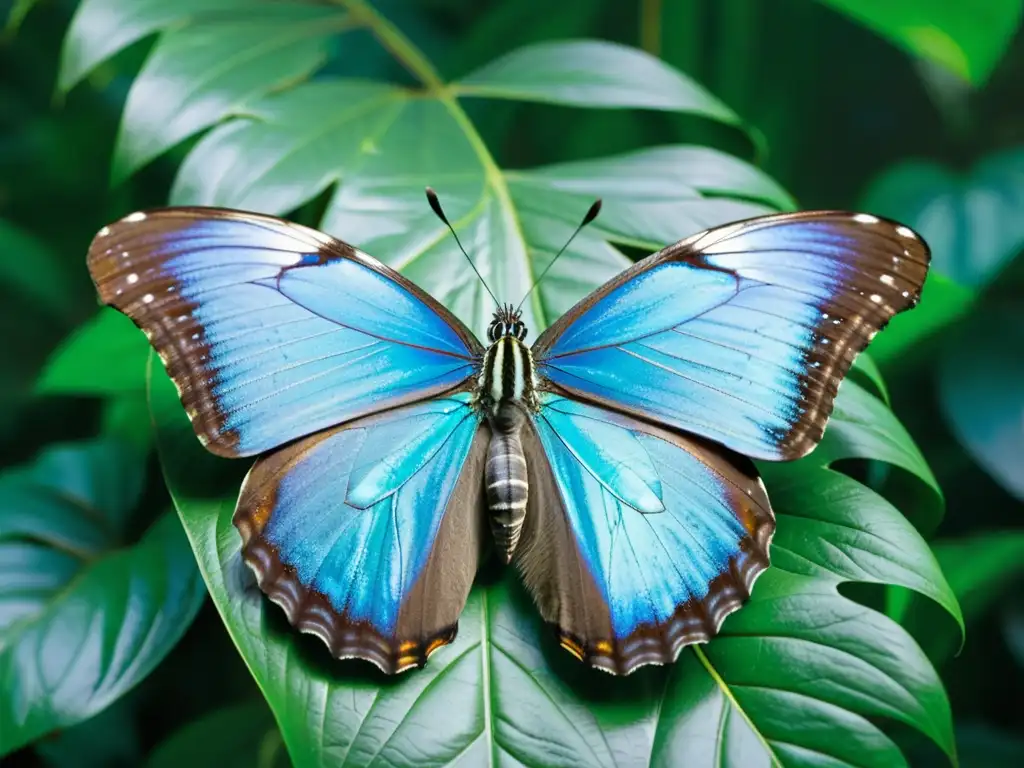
(982, 569)
(943, 302)
(102, 28)
(83, 617)
(105, 356)
(966, 38)
(866, 371)
(385, 146)
(590, 73)
(243, 735)
(790, 669)
(973, 223)
(110, 738)
(862, 427)
(30, 269)
(127, 417)
(981, 397)
(18, 11)
(199, 74)
(274, 151)
(831, 526)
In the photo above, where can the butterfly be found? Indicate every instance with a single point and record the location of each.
(611, 459)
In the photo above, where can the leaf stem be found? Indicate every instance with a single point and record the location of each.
(412, 58)
(650, 26)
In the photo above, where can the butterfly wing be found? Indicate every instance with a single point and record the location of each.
(369, 534)
(740, 334)
(272, 330)
(637, 541)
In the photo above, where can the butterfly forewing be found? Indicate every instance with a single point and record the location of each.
(272, 330)
(741, 334)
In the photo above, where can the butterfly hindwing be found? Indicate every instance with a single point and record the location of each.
(272, 330)
(741, 334)
(369, 534)
(647, 551)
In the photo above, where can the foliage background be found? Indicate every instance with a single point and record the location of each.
(909, 109)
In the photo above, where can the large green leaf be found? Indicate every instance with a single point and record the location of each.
(104, 356)
(967, 38)
(797, 664)
(589, 73)
(83, 616)
(278, 147)
(982, 570)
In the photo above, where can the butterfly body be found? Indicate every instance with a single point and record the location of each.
(506, 394)
(611, 458)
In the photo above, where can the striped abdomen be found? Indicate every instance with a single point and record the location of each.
(506, 479)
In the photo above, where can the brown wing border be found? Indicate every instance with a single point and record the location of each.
(827, 366)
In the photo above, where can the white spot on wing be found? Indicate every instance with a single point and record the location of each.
(134, 217)
(866, 218)
(133, 279)
(876, 298)
(103, 232)
(147, 298)
(906, 232)
(888, 280)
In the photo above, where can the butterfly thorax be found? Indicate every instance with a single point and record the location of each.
(506, 392)
(507, 372)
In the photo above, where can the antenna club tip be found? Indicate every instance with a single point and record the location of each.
(435, 205)
(595, 209)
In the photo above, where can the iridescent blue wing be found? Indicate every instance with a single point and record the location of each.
(272, 330)
(637, 541)
(369, 534)
(740, 334)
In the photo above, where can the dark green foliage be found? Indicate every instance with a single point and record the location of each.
(681, 115)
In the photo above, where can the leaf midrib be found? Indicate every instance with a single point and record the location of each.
(726, 690)
(413, 59)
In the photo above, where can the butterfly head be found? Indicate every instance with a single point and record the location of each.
(507, 321)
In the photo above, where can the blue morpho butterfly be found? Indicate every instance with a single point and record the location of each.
(613, 454)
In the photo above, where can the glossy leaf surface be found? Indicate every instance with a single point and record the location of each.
(277, 147)
(83, 615)
(799, 661)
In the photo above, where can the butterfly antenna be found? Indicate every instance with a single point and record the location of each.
(435, 204)
(591, 215)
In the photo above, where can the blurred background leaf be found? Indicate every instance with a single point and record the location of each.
(968, 39)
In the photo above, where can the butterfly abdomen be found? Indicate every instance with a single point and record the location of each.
(506, 479)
